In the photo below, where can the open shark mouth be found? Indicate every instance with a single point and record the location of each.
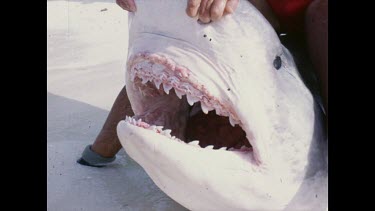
(172, 105)
(221, 124)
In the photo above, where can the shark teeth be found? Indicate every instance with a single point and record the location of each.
(191, 99)
(232, 121)
(144, 80)
(194, 143)
(209, 147)
(160, 128)
(157, 83)
(181, 89)
(159, 74)
(178, 93)
(167, 88)
(206, 108)
(167, 133)
(193, 95)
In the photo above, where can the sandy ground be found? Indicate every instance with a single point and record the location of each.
(87, 49)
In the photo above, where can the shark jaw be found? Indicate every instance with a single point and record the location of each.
(277, 158)
(195, 172)
(157, 77)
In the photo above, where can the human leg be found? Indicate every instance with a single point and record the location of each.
(107, 144)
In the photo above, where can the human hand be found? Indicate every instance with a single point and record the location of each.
(127, 5)
(206, 10)
(210, 10)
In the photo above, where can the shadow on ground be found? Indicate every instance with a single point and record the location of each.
(124, 185)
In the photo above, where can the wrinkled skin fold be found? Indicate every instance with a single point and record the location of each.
(261, 145)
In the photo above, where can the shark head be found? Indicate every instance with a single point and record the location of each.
(223, 120)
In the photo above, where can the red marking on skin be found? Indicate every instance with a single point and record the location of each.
(143, 124)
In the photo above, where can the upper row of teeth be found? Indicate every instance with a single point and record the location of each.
(167, 133)
(173, 82)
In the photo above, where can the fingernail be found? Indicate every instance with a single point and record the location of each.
(229, 10)
(204, 22)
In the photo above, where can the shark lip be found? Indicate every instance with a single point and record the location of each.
(154, 74)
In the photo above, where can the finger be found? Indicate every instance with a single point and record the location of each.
(217, 9)
(128, 5)
(204, 11)
(192, 8)
(122, 4)
(132, 6)
(231, 6)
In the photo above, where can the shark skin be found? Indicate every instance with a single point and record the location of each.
(237, 69)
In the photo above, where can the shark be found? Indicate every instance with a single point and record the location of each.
(223, 119)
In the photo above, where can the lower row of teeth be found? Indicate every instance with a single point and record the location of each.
(167, 133)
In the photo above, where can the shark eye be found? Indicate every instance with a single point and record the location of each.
(277, 62)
